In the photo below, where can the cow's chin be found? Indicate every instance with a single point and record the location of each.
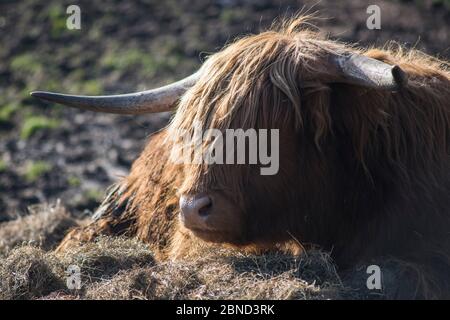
(211, 235)
(216, 236)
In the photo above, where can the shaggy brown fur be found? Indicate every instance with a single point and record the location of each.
(364, 173)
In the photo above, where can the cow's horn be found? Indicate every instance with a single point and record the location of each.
(150, 101)
(368, 72)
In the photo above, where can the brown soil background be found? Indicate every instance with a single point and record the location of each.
(48, 152)
(127, 46)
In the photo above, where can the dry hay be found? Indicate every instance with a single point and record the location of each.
(45, 226)
(123, 268)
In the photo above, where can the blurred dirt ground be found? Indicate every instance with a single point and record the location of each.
(49, 152)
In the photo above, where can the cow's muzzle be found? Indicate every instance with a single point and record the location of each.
(195, 211)
(210, 216)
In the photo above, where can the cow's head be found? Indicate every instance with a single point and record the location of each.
(274, 80)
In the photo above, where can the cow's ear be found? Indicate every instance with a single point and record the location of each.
(367, 72)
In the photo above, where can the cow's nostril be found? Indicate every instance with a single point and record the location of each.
(206, 209)
(194, 209)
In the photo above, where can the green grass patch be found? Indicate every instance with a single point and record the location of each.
(130, 59)
(26, 63)
(3, 165)
(57, 19)
(166, 58)
(7, 111)
(34, 170)
(73, 181)
(92, 87)
(227, 16)
(32, 124)
(94, 195)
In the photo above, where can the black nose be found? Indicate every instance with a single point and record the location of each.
(194, 210)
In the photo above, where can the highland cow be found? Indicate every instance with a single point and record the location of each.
(364, 153)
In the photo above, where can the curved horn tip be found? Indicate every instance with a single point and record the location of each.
(39, 94)
(400, 76)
